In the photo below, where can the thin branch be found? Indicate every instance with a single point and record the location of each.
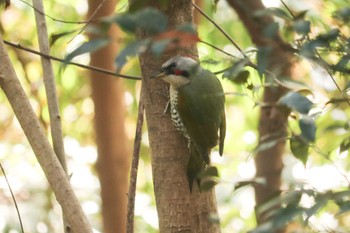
(13, 198)
(134, 168)
(89, 21)
(218, 49)
(50, 86)
(52, 18)
(50, 91)
(219, 28)
(93, 68)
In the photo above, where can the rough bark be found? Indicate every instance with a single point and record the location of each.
(178, 209)
(47, 159)
(113, 154)
(273, 121)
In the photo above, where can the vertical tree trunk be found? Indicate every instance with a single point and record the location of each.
(273, 121)
(178, 209)
(113, 155)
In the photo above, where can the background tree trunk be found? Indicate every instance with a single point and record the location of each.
(273, 120)
(178, 209)
(113, 154)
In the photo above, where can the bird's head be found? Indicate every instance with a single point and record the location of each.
(178, 71)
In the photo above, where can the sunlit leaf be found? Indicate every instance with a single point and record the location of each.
(308, 129)
(87, 47)
(299, 148)
(296, 102)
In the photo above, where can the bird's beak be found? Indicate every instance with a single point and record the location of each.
(159, 75)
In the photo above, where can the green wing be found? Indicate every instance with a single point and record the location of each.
(201, 108)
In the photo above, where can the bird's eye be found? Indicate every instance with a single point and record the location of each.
(170, 69)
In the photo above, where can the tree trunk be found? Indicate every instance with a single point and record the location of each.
(273, 121)
(178, 209)
(113, 155)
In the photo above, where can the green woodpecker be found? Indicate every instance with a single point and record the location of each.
(197, 110)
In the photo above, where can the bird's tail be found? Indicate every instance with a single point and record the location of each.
(195, 166)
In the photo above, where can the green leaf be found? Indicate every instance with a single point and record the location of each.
(130, 50)
(308, 50)
(342, 64)
(55, 36)
(308, 129)
(331, 35)
(151, 20)
(344, 207)
(344, 145)
(262, 59)
(126, 22)
(342, 14)
(87, 47)
(296, 102)
(299, 148)
(159, 46)
(236, 72)
(302, 26)
(320, 202)
(271, 30)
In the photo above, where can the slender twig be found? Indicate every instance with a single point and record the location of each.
(52, 18)
(50, 85)
(219, 28)
(288, 9)
(13, 198)
(134, 168)
(325, 66)
(89, 20)
(93, 68)
(217, 48)
(51, 93)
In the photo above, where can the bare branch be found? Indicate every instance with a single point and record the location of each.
(104, 71)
